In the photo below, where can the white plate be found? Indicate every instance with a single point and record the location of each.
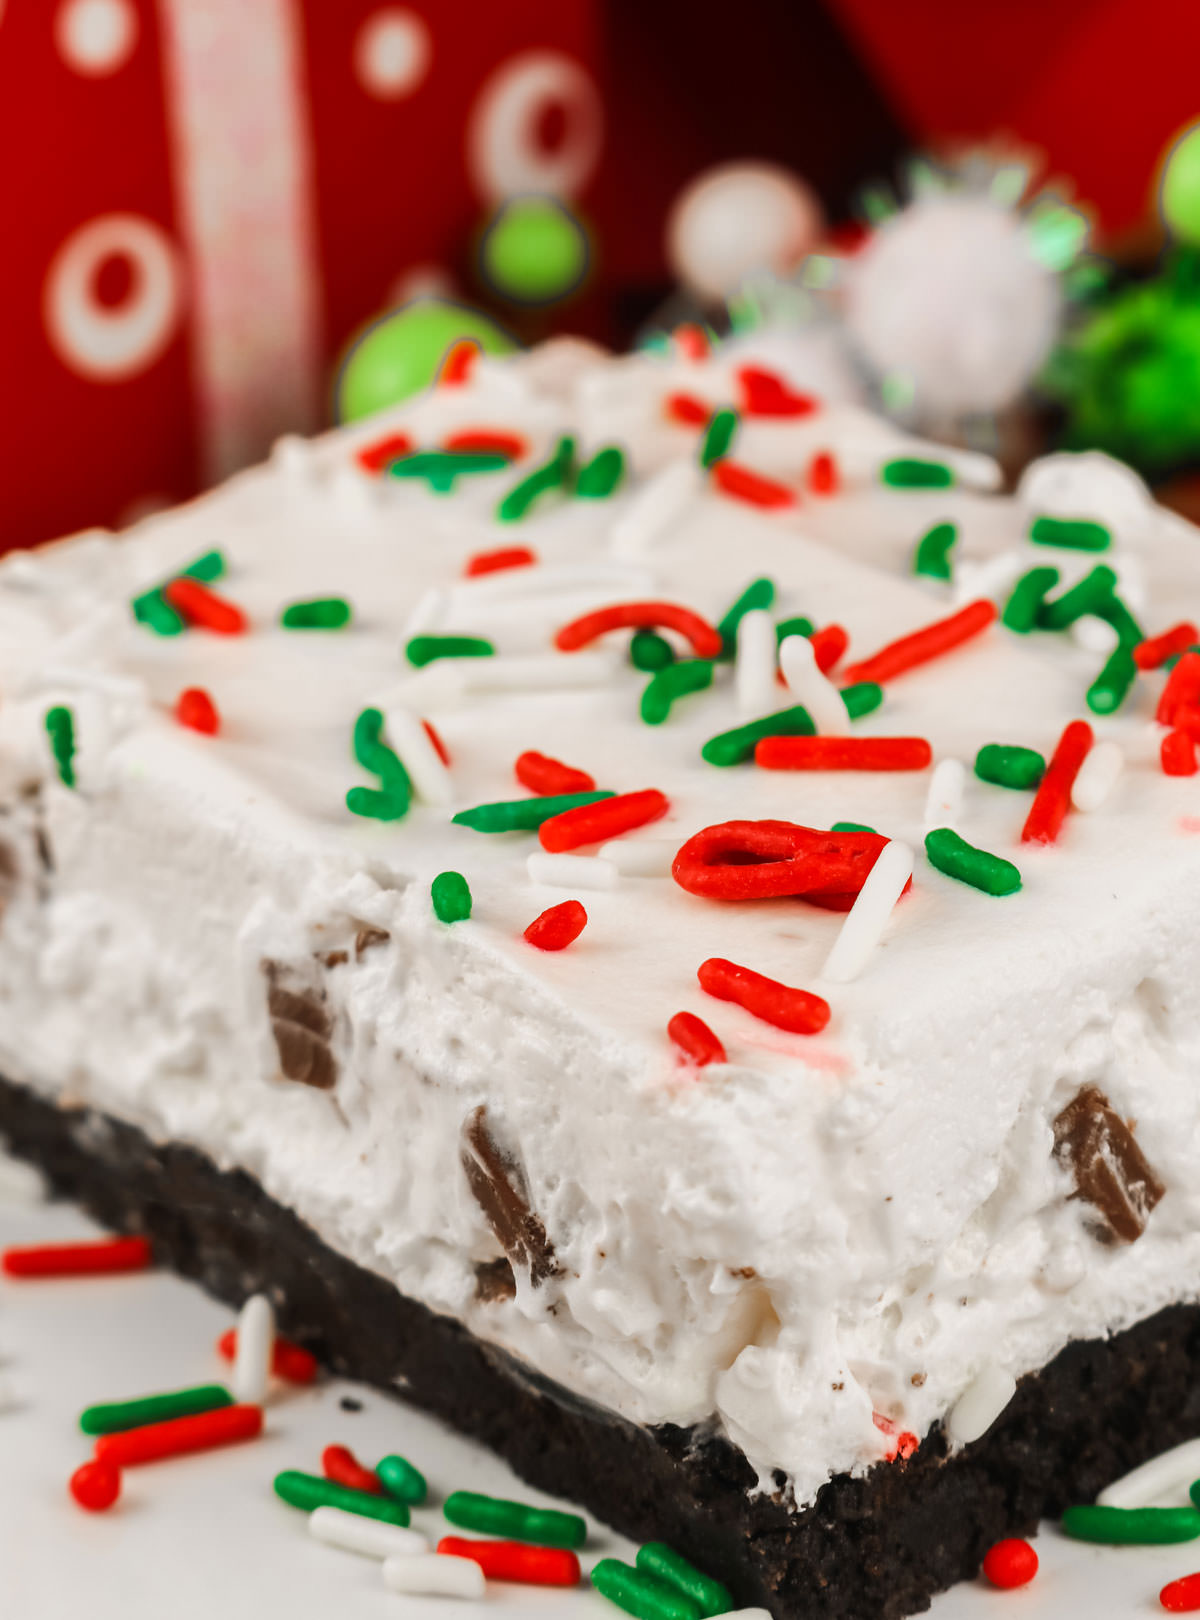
(205, 1538)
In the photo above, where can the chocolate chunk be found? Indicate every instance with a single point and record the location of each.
(302, 1028)
(10, 872)
(496, 1180)
(366, 937)
(333, 959)
(1110, 1170)
(494, 1281)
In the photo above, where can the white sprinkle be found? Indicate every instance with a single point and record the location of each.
(868, 916)
(20, 1183)
(536, 672)
(655, 507)
(754, 671)
(404, 732)
(943, 802)
(507, 583)
(980, 1404)
(640, 857)
(810, 687)
(255, 1343)
(747, 1614)
(571, 871)
(435, 1575)
(429, 612)
(352, 1532)
(1163, 1481)
(1097, 776)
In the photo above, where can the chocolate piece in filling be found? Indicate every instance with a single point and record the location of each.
(496, 1180)
(10, 872)
(302, 1026)
(1110, 1169)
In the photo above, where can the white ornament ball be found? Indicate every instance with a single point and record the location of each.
(1090, 486)
(947, 296)
(737, 219)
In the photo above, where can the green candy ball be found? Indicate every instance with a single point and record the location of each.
(534, 251)
(401, 353)
(1179, 196)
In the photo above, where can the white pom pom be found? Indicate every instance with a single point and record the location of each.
(736, 219)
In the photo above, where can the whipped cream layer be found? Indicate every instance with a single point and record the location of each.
(824, 1239)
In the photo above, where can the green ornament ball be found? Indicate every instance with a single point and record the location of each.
(402, 352)
(1179, 196)
(533, 251)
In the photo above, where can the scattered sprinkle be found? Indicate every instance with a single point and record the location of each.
(1178, 754)
(1181, 1596)
(1131, 1527)
(541, 774)
(759, 594)
(705, 639)
(602, 475)
(1010, 766)
(483, 440)
(95, 1486)
(1053, 797)
(817, 693)
(524, 815)
(754, 489)
(644, 1596)
(204, 608)
(870, 913)
(1077, 534)
(796, 626)
(409, 737)
(656, 1558)
(736, 746)
(944, 800)
(843, 753)
(354, 1533)
(695, 1040)
(434, 1574)
(765, 393)
(908, 472)
(197, 711)
(339, 1464)
(1112, 686)
(1168, 1472)
(319, 613)
(1010, 1563)
(111, 1417)
(392, 800)
(515, 1561)
(459, 364)
(178, 1437)
(932, 556)
(829, 643)
(798, 1011)
(756, 663)
(402, 1479)
(922, 645)
(721, 428)
(1182, 689)
(1024, 606)
(98, 1257)
(60, 729)
(823, 475)
(496, 562)
(665, 688)
(649, 651)
(1153, 654)
(496, 1516)
(957, 859)
(289, 1361)
(152, 609)
(687, 409)
(422, 650)
(310, 1491)
(1085, 596)
(691, 341)
(980, 1404)
(377, 456)
(553, 930)
(610, 817)
(759, 860)
(451, 897)
(552, 474)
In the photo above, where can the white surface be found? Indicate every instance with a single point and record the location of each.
(205, 1535)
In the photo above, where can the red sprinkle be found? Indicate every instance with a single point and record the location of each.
(775, 1003)
(691, 340)
(196, 710)
(1183, 687)
(516, 1561)
(178, 1436)
(1181, 1596)
(78, 1259)
(695, 1040)
(541, 774)
(843, 753)
(205, 608)
(487, 440)
(494, 562)
(339, 1464)
(705, 640)
(459, 363)
(95, 1485)
(762, 860)
(823, 475)
(1154, 652)
(1187, 718)
(374, 458)
(1013, 1563)
(1053, 797)
(443, 753)
(743, 485)
(556, 928)
(686, 408)
(1178, 754)
(903, 1444)
(931, 642)
(607, 818)
(828, 645)
(765, 393)
(289, 1361)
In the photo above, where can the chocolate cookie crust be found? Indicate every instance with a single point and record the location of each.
(880, 1545)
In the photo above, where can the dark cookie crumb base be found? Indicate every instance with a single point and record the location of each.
(879, 1546)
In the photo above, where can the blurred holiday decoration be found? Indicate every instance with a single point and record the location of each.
(533, 251)
(403, 351)
(1129, 376)
(738, 220)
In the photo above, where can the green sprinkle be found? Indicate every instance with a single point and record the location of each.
(153, 610)
(1114, 612)
(1091, 592)
(552, 474)
(1131, 1527)
(649, 651)
(376, 806)
(60, 728)
(451, 897)
(115, 1416)
(309, 1491)
(443, 468)
(852, 826)
(663, 689)
(656, 1558)
(377, 758)
(760, 593)
(736, 746)
(958, 859)
(640, 1594)
(864, 697)
(524, 815)
(422, 650)
(396, 1474)
(496, 1517)
(1111, 687)
(1023, 606)
(932, 557)
(1009, 766)
(320, 613)
(603, 473)
(722, 426)
(798, 626)
(908, 472)
(1078, 535)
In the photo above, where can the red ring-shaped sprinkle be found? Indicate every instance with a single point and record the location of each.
(922, 645)
(549, 777)
(607, 818)
(798, 1011)
(843, 753)
(695, 1040)
(705, 640)
(1010, 1563)
(761, 860)
(557, 927)
(1053, 797)
(339, 1464)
